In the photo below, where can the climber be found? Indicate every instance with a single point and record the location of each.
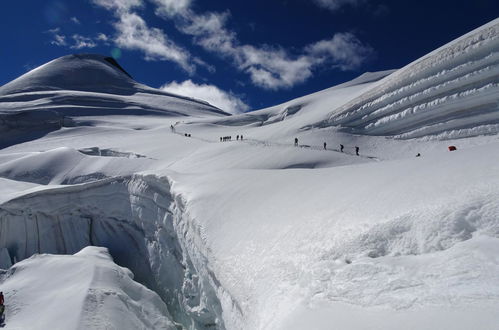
(356, 150)
(2, 309)
(341, 147)
(296, 142)
(325, 146)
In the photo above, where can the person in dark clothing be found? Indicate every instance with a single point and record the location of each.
(241, 137)
(418, 155)
(324, 145)
(2, 308)
(237, 137)
(296, 142)
(356, 150)
(341, 147)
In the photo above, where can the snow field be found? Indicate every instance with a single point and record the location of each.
(329, 234)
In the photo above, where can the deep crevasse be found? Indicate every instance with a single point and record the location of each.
(145, 228)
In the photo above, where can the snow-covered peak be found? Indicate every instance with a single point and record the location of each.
(48, 97)
(86, 72)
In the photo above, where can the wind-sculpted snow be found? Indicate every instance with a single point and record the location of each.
(141, 224)
(455, 88)
(96, 151)
(69, 166)
(18, 127)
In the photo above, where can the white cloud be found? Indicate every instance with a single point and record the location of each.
(172, 7)
(273, 68)
(75, 20)
(59, 40)
(132, 32)
(268, 67)
(344, 50)
(202, 63)
(76, 41)
(226, 101)
(53, 31)
(102, 37)
(337, 4)
(121, 6)
(82, 42)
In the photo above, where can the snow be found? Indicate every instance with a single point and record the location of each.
(256, 233)
(81, 291)
(457, 81)
(339, 241)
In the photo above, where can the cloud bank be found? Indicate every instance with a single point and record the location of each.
(226, 101)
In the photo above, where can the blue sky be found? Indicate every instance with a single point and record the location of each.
(240, 54)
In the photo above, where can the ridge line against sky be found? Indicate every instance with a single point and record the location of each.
(246, 55)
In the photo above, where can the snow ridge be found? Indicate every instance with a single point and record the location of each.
(455, 87)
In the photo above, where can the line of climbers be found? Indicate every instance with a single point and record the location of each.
(229, 138)
(451, 148)
(325, 147)
(240, 137)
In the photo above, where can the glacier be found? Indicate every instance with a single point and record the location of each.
(122, 199)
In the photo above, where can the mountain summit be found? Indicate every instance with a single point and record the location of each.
(86, 72)
(91, 84)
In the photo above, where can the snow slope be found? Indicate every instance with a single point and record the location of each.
(451, 92)
(256, 234)
(403, 238)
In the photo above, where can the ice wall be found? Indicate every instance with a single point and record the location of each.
(138, 220)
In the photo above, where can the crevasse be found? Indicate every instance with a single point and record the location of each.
(142, 223)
